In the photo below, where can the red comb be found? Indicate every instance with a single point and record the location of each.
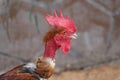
(60, 21)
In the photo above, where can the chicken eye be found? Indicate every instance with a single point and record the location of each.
(64, 32)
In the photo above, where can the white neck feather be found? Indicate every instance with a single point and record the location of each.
(51, 61)
(31, 66)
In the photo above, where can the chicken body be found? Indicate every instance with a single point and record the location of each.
(43, 69)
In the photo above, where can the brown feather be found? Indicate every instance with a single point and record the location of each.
(15, 75)
(52, 32)
(44, 69)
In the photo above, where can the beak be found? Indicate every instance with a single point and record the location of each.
(74, 36)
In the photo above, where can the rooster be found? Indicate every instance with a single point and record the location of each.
(59, 36)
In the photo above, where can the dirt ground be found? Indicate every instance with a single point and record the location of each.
(107, 72)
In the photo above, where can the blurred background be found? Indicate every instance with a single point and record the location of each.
(23, 25)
